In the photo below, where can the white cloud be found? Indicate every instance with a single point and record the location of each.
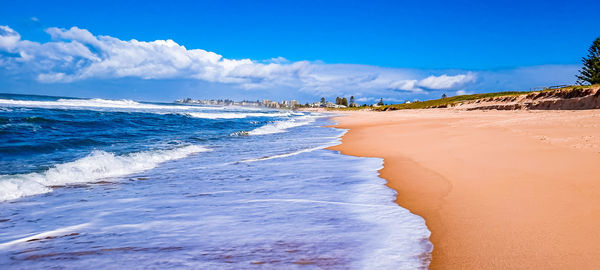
(76, 54)
(8, 38)
(74, 34)
(445, 81)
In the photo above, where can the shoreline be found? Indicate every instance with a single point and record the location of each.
(497, 189)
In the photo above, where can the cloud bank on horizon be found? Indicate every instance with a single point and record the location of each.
(76, 54)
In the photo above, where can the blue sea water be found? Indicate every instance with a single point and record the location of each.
(104, 184)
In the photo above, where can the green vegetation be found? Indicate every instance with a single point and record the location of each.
(590, 72)
(448, 101)
(444, 102)
(341, 101)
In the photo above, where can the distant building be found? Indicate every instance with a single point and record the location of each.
(273, 104)
(329, 104)
(285, 104)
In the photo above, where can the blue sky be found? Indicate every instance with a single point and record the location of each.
(393, 49)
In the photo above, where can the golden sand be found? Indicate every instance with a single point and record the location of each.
(498, 189)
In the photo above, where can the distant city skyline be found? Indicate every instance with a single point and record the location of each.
(255, 50)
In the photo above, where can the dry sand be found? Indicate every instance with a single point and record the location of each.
(498, 189)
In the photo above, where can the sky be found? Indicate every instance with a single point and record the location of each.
(396, 50)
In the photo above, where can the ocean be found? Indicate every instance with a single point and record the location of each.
(105, 184)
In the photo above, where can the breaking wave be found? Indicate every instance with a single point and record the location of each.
(92, 168)
(233, 115)
(100, 103)
(282, 126)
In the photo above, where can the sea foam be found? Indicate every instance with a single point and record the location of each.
(307, 150)
(233, 115)
(96, 166)
(282, 126)
(105, 103)
(404, 240)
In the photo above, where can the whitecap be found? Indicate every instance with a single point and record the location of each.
(102, 103)
(233, 115)
(92, 168)
(282, 126)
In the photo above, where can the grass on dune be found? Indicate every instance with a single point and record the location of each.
(444, 102)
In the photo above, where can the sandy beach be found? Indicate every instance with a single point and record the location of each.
(498, 189)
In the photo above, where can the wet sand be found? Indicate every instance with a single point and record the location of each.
(498, 189)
